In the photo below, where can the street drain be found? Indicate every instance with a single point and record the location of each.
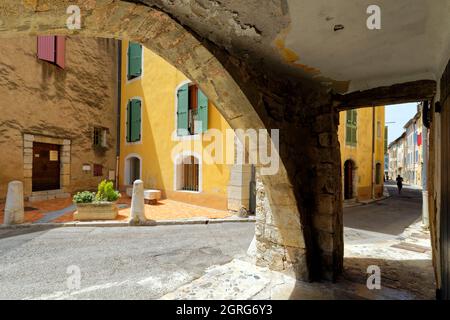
(29, 209)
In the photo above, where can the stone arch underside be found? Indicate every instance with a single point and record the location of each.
(299, 213)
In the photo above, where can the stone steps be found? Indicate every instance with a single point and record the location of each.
(48, 195)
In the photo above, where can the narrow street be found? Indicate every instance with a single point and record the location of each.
(388, 234)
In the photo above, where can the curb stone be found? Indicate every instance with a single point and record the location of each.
(126, 223)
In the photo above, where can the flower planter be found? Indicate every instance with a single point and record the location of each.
(96, 211)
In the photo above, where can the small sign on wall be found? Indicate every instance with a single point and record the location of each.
(53, 155)
(86, 167)
(111, 175)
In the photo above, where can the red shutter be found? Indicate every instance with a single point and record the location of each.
(419, 140)
(46, 48)
(61, 51)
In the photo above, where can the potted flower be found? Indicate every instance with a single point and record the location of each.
(97, 206)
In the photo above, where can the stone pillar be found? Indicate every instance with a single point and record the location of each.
(239, 183)
(239, 187)
(28, 140)
(14, 209)
(137, 214)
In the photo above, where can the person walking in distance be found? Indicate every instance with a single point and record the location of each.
(399, 184)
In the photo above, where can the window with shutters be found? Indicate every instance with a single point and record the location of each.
(99, 137)
(134, 61)
(192, 110)
(385, 139)
(351, 128)
(188, 174)
(133, 124)
(52, 49)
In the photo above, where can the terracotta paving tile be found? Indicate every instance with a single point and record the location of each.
(170, 209)
(42, 207)
(163, 210)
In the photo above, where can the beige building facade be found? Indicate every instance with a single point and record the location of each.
(58, 119)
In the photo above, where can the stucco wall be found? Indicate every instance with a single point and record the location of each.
(157, 87)
(39, 98)
(361, 154)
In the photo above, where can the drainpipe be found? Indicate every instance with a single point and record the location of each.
(373, 152)
(425, 213)
(119, 108)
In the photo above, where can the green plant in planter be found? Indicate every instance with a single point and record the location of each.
(106, 192)
(84, 197)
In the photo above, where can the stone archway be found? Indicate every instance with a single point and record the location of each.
(299, 213)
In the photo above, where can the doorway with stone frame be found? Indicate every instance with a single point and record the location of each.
(38, 183)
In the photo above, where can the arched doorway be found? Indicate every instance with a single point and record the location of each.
(349, 178)
(133, 165)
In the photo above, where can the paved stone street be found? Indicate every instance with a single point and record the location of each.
(115, 263)
(389, 234)
(210, 261)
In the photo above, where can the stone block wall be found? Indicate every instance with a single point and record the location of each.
(44, 103)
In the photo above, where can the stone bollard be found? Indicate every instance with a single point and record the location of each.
(14, 210)
(137, 203)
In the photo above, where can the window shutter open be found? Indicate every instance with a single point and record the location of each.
(351, 127)
(128, 121)
(135, 120)
(46, 48)
(183, 110)
(349, 116)
(202, 112)
(134, 60)
(61, 51)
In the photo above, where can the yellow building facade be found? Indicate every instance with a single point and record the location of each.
(153, 148)
(362, 143)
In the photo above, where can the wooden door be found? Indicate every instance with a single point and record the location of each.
(348, 180)
(46, 166)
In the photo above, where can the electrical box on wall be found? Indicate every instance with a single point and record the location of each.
(111, 175)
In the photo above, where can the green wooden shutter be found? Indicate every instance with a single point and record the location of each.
(385, 139)
(202, 112)
(350, 128)
(183, 110)
(135, 120)
(134, 60)
(128, 117)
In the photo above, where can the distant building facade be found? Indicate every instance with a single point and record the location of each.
(405, 153)
(362, 140)
(396, 152)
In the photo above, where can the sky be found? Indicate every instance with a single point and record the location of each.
(396, 117)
